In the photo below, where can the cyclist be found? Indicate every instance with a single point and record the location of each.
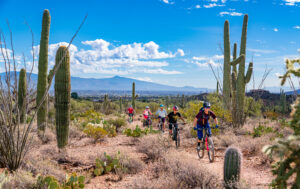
(130, 111)
(147, 112)
(162, 113)
(173, 117)
(202, 121)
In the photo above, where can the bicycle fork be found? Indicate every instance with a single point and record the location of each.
(206, 144)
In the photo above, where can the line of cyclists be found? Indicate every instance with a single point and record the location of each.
(200, 122)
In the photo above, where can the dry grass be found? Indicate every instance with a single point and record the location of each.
(183, 172)
(133, 164)
(154, 146)
(20, 180)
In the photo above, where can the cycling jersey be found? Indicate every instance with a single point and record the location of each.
(173, 117)
(146, 113)
(130, 110)
(203, 117)
(161, 113)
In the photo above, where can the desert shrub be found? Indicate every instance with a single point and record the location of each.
(110, 129)
(192, 110)
(20, 179)
(138, 132)
(261, 130)
(118, 123)
(271, 115)
(96, 132)
(72, 182)
(133, 165)
(227, 139)
(153, 146)
(187, 172)
(253, 107)
(80, 105)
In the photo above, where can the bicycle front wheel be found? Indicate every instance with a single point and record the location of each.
(211, 151)
(201, 150)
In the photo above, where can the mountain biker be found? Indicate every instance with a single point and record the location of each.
(130, 111)
(147, 112)
(202, 121)
(162, 113)
(173, 117)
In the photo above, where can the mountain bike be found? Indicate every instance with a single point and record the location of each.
(130, 118)
(147, 122)
(160, 124)
(208, 144)
(176, 133)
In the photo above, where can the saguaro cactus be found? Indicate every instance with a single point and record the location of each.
(22, 95)
(232, 167)
(121, 104)
(133, 96)
(42, 73)
(226, 66)
(62, 88)
(283, 102)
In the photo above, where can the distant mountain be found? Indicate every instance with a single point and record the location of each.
(118, 83)
(292, 92)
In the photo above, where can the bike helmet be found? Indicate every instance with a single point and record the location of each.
(175, 108)
(206, 105)
(147, 107)
(161, 105)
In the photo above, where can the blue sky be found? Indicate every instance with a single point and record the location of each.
(164, 41)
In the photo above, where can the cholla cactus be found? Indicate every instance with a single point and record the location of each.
(290, 70)
(288, 150)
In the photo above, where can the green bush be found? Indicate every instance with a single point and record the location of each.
(72, 182)
(253, 107)
(261, 130)
(110, 129)
(138, 132)
(96, 132)
(118, 123)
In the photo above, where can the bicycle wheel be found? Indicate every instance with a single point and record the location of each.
(211, 151)
(201, 151)
(177, 139)
(174, 134)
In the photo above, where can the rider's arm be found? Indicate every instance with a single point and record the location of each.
(216, 121)
(195, 122)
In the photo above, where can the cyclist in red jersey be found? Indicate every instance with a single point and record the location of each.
(130, 111)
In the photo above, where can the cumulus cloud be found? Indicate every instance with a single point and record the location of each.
(230, 13)
(296, 27)
(275, 29)
(211, 5)
(167, 2)
(103, 57)
(198, 6)
(205, 61)
(291, 2)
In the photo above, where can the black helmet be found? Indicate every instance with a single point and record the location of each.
(206, 105)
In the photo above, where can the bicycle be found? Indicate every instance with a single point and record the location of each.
(147, 122)
(209, 144)
(176, 134)
(130, 118)
(160, 124)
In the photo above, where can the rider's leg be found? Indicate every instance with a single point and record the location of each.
(163, 122)
(199, 135)
(208, 129)
(170, 129)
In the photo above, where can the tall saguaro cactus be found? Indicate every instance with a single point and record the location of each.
(62, 88)
(121, 104)
(234, 80)
(133, 96)
(22, 95)
(232, 167)
(42, 72)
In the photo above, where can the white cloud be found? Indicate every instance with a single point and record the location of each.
(204, 61)
(291, 2)
(144, 79)
(296, 27)
(230, 13)
(161, 71)
(275, 30)
(198, 6)
(211, 5)
(107, 59)
(167, 2)
(277, 74)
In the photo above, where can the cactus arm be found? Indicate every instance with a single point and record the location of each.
(234, 51)
(244, 36)
(238, 60)
(249, 72)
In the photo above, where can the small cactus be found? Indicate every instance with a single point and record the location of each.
(22, 95)
(232, 167)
